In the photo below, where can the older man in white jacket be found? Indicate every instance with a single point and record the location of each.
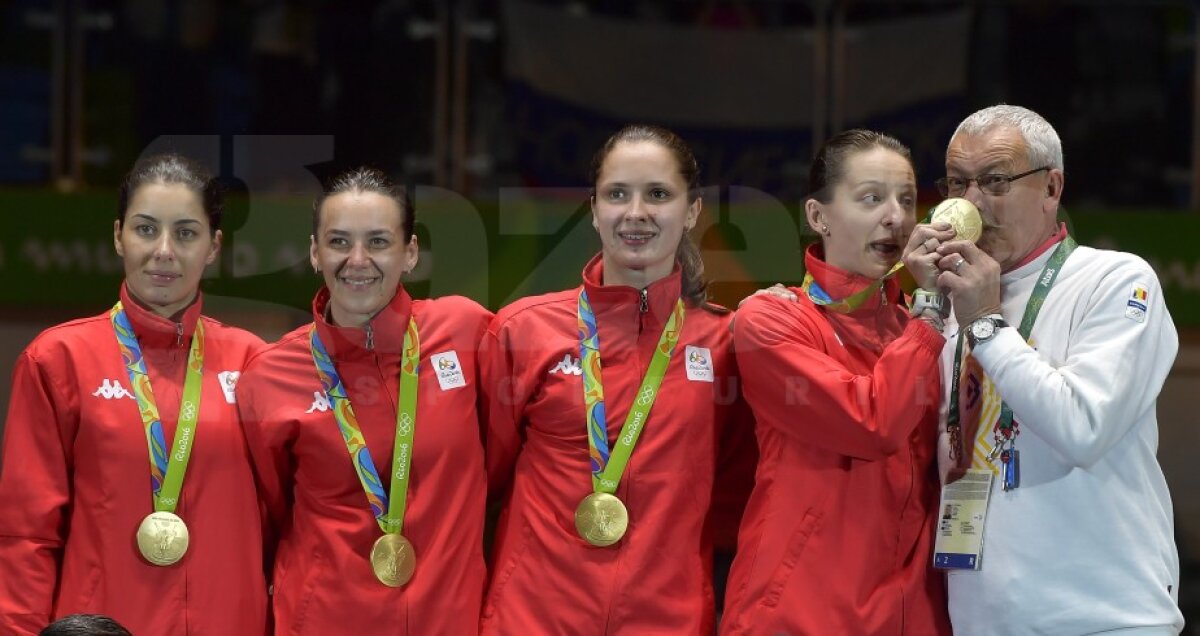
(1054, 406)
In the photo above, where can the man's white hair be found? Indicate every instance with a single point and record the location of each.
(1045, 148)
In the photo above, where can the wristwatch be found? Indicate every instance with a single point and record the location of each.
(984, 329)
(924, 299)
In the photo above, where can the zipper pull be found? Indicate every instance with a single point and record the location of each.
(370, 337)
(645, 306)
(179, 334)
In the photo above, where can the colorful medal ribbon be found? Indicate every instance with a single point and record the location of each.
(166, 471)
(1005, 430)
(606, 469)
(821, 298)
(388, 511)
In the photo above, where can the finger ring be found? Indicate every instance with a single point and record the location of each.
(959, 264)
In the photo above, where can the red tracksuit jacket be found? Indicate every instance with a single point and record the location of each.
(838, 534)
(323, 582)
(76, 484)
(657, 579)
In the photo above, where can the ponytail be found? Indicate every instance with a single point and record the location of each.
(692, 285)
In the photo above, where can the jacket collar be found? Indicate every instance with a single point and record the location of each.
(155, 332)
(608, 299)
(840, 284)
(1042, 249)
(386, 330)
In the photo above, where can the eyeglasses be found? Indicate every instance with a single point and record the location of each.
(994, 184)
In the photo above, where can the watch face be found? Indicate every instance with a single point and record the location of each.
(983, 329)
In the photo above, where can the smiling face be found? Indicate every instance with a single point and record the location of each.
(870, 214)
(1017, 222)
(641, 210)
(360, 250)
(166, 242)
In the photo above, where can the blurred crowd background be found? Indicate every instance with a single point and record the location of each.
(492, 109)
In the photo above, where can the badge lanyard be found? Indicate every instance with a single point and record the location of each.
(1006, 430)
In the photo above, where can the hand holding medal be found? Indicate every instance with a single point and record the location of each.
(960, 214)
(963, 217)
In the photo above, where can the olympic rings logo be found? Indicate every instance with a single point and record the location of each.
(405, 424)
(646, 397)
(189, 410)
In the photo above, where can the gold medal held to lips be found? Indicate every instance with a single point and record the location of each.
(393, 560)
(601, 519)
(162, 538)
(962, 215)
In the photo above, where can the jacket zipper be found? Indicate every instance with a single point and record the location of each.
(643, 307)
(178, 334)
(370, 338)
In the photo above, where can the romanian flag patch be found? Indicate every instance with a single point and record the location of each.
(1138, 303)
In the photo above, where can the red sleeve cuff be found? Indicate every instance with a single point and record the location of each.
(925, 336)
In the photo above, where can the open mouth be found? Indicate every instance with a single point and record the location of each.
(635, 238)
(358, 283)
(885, 249)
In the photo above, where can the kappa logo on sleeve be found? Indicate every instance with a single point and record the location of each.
(1138, 303)
(228, 380)
(448, 370)
(699, 364)
(567, 366)
(320, 403)
(112, 390)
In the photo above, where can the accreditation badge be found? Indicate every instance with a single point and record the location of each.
(961, 515)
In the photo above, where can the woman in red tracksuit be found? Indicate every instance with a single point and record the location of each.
(838, 533)
(76, 533)
(562, 564)
(376, 503)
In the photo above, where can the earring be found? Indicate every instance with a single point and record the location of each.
(825, 229)
(316, 270)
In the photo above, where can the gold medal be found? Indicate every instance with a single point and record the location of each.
(393, 559)
(162, 538)
(601, 519)
(962, 215)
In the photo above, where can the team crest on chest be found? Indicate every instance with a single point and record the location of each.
(698, 361)
(228, 380)
(448, 370)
